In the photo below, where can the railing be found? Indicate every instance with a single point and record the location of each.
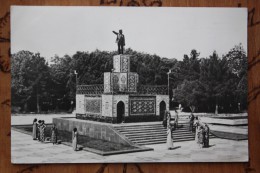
(90, 89)
(141, 89)
(153, 89)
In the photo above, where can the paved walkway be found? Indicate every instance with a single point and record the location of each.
(26, 150)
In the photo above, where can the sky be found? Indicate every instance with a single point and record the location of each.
(165, 31)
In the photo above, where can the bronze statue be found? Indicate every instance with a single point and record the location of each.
(120, 40)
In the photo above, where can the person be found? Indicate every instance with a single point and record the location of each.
(200, 136)
(165, 119)
(42, 131)
(120, 40)
(196, 125)
(38, 130)
(191, 122)
(176, 118)
(34, 132)
(206, 137)
(169, 134)
(54, 134)
(74, 139)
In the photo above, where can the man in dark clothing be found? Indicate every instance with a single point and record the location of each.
(191, 122)
(120, 40)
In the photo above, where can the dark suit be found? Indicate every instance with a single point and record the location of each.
(120, 39)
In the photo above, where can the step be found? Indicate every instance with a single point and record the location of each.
(156, 134)
(151, 131)
(146, 126)
(158, 137)
(146, 142)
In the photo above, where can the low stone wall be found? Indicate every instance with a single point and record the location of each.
(92, 129)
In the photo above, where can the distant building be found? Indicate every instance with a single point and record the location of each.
(121, 98)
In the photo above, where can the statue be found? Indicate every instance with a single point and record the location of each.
(120, 40)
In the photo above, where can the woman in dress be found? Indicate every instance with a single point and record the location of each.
(200, 136)
(206, 137)
(34, 132)
(74, 139)
(196, 125)
(192, 117)
(169, 134)
(176, 118)
(39, 130)
(42, 131)
(54, 134)
(165, 119)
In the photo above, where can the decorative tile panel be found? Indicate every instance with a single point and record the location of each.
(107, 82)
(123, 82)
(125, 63)
(142, 105)
(93, 105)
(132, 82)
(116, 63)
(115, 83)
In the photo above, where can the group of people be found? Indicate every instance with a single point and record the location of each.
(201, 129)
(201, 134)
(38, 133)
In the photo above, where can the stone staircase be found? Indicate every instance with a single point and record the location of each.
(154, 133)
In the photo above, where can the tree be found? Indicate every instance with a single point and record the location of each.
(188, 93)
(237, 62)
(30, 80)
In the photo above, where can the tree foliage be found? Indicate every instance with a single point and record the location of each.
(194, 82)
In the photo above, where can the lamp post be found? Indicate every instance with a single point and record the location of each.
(169, 85)
(112, 90)
(75, 72)
(169, 81)
(112, 81)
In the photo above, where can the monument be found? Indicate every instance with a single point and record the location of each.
(120, 40)
(121, 98)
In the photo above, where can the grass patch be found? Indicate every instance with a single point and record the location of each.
(229, 135)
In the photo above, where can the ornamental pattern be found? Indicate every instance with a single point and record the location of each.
(116, 81)
(90, 89)
(116, 63)
(123, 82)
(132, 82)
(93, 105)
(106, 82)
(124, 64)
(141, 106)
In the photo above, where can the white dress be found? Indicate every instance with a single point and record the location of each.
(74, 140)
(169, 138)
(196, 124)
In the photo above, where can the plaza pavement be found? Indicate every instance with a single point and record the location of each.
(26, 150)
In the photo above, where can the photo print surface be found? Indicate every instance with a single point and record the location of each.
(112, 85)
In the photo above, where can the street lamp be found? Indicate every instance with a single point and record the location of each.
(169, 84)
(112, 80)
(75, 72)
(169, 81)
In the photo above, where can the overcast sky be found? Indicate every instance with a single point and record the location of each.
(167, 32)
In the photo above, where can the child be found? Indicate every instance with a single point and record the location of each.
(34, 133)
(74, 139)
(54, 133)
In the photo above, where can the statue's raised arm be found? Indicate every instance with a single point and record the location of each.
(115, 32)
